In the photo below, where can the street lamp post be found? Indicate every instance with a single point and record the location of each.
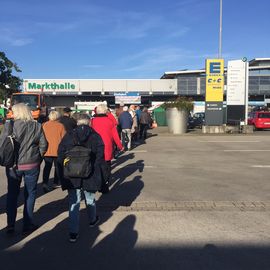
(220, 29)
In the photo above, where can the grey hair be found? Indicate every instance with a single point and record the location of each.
(54, 115)
(22, 112)
(83, 119)
(101, 109)
(145, 109)
(125, 108)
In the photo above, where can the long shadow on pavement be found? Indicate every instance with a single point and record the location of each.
(40, 193)
(123, 193)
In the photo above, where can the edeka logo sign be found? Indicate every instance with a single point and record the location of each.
(215, 67)
(214, 80)
(51, 86)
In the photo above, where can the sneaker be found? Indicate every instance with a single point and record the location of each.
(73, 237)
(94, 223)
(10, 230)
(30, 229)
(46, 188)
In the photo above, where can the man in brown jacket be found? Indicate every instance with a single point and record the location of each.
(54, 132)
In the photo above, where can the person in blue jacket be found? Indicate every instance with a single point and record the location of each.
(125, 121)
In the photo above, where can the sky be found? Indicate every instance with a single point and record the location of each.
(124, 39)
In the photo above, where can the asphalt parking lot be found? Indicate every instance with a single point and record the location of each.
(177, 202)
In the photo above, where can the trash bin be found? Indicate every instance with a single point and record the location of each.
(160, 116)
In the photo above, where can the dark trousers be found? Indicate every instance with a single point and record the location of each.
(49, 161)
(30, 191)
(106, 176)
(143, 130)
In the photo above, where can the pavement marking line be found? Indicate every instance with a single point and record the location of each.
(246, 150)
(260, 166)
(135, 166)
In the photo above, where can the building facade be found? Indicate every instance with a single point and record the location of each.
(192, 82)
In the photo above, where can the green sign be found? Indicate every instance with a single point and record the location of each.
(51, 86)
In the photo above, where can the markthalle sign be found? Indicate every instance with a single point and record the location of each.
(51, 86)
(214, 92)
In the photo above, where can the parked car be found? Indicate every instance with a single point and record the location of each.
(197, 120)
(259, 119)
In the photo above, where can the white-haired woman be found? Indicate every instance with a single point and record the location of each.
(107, 130)
(31, 146)
(54, 132)
(83, 135)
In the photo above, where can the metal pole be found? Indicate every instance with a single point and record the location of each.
(220, 29)
(246, 91)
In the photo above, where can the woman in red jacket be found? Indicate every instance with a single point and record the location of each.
(106, 128)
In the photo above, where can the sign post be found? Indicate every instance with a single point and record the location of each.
(214, 92)
(237, 92)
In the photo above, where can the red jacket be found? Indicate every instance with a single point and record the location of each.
(112, 118)
(108, 132)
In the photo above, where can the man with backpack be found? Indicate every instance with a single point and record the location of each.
(81, 153)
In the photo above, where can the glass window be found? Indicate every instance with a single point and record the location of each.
(29, 100)
(264, 115)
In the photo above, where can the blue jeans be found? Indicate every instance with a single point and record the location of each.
(30, 191)
(126, 134)
(74, 196)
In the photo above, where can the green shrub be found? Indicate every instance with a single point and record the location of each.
(181, 103)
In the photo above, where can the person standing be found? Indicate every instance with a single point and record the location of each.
(54, 132)
(134, 128)
(118, 111)
(125, 121)
(145, 122)
(66, 119)
(30, 145)
(111, 117)
(138, 112)
(85, 136)
(106, 128)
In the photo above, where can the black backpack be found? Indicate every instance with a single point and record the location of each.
(77, 162)
(7, 149)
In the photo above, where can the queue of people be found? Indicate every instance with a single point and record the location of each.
(81, 149)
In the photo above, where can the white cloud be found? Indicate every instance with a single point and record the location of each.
(21, 42)
(179, 32)
(161, 59)
(14, 38)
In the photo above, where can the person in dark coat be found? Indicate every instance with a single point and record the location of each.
(88, 186)
(66, 119)
(145, 122)
(125, 121)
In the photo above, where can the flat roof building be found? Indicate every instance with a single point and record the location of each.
(192, 82)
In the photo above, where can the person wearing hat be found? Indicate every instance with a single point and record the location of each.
(66, 119)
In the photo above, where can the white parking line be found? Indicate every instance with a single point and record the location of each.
(135, 166)
(260, 166)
